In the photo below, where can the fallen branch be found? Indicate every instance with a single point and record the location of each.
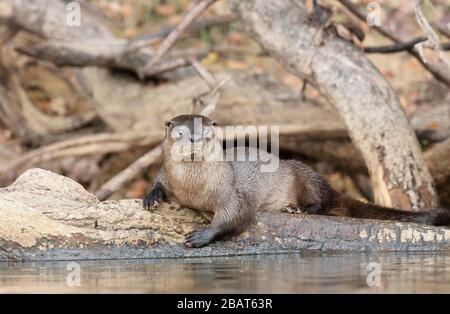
(402, 46)
(439, 73)
(73, 49)
(432, 39)
(83, 145)
(187, 19)
(42, 123)
(149, 39)
(99, 54)
(85, 54)
(167, 66)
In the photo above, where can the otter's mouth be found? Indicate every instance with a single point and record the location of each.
(204, 150)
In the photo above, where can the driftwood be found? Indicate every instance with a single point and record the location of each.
(366, 102)
(46, 216)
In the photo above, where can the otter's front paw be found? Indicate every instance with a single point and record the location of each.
(152, 200)
(200, 238)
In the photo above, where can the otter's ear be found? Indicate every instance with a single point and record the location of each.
(214, 123)
(169, 124)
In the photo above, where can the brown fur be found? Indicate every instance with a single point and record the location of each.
(233, 190)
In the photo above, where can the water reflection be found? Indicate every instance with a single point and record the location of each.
(399, 272)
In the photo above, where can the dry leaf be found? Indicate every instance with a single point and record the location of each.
(165, 10)
(292, 81)
(174, 19)
(236, 65)
(138, 189)
(210, 59)
(236, 38)
(127, 10)
(130, 32)
(433, 125)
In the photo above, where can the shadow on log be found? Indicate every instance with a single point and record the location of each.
(46, 216)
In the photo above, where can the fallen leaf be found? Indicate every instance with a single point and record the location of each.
(174, 19)
(127, 10)
(138, 189)
(313, 93)
(210, 59)
(236, 65)
(388, 74)
(130, 32)
(165, 10)
(433, 125)
(236, 38)
(292, 81)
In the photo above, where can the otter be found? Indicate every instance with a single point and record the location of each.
(195, 175)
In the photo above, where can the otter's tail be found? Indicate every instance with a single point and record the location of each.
(357, 209)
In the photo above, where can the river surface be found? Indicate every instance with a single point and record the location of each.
(292, 273)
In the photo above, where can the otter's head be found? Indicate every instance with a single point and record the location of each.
(191, 138)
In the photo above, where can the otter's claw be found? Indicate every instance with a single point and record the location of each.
(199, 238)
(152, 200)
(308, 209)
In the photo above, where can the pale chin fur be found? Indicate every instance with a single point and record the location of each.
(205, 151)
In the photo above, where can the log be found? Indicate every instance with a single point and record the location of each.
(365, 101)
(46, 216)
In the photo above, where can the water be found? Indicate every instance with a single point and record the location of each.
(329, 273)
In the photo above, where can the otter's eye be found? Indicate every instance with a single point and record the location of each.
(178, 133)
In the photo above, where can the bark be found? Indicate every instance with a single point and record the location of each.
(46, 216)
(439, 163)
(367, 104)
